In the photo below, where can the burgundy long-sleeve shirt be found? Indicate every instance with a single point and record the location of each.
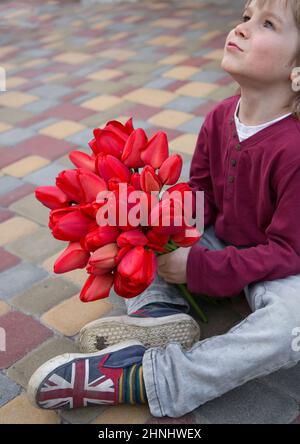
(252, 197)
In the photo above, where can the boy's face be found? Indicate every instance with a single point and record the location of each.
(269, 44)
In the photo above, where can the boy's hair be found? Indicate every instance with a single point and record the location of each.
(295, 5)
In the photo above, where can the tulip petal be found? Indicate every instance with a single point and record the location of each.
(96, 287)
(156, 151)
(72, 257)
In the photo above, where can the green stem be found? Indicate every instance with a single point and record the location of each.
(192, 302)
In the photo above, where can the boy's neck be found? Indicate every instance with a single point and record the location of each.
(257, 107)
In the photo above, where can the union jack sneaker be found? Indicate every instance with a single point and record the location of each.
(155, 325)
(112, 376)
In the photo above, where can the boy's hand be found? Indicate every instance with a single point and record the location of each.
(172, 266)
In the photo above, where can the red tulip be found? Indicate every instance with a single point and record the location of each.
(108, 142)
(91, 185)
(72, 226)
(96, 287)
(68, 182)
(133, 238)
(156, 151)
(122, 131)
(135, 181)
(103, 260)
(149, 180)
(170, 170)
(135, 272)
(157, 241)
(82, 160)
(167, 217)
(71, 258)
(131, 155)
(51, 197)
(99, 237)
(56, 215)
(110, 167)
(187, 238)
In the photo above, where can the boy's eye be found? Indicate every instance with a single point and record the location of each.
(245, 18)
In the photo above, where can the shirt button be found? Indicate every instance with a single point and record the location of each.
(233, 162)
(238, 147)
(231, 179)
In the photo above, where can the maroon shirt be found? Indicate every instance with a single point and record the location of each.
(252, 197)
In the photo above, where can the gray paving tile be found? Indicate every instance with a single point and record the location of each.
(18, 278)
(8, 389)
(8, 183)
(15, 136)
(44, 176)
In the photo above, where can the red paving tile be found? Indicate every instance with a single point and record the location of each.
(46, 146)
(23, 334)
(68, 111)
(7, 260)
(16, 194)
(5, 215)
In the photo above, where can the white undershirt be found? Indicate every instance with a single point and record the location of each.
(245, 131)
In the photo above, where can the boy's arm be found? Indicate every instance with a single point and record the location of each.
(200, 178)
(226, 272)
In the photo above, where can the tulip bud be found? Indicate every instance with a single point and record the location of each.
(149, 180)
(74, 256)
(170, 170)
(109, 167)
(82, 160)
(51, 197)
(156, 151)
(131, 155)
(96, 287)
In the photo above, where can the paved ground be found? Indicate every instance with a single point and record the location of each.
(70, 69)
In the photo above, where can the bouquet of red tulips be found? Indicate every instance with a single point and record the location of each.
(114, 213)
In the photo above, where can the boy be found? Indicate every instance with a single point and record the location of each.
(247, 161)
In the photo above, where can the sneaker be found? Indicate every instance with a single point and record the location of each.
(153, 327)
(110, 377)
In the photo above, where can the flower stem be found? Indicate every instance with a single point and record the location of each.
(187, 295)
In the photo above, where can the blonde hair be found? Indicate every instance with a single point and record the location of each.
(295, 5)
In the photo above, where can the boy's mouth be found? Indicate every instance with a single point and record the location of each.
(234, 45)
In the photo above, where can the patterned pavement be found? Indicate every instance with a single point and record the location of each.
(70, 68)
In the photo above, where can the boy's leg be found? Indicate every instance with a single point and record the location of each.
(161, 291)
(179, 381)
(155, 317)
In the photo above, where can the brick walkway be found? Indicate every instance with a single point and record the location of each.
(70, 69)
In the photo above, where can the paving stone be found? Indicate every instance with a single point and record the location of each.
(5, 215)
(53, 91)
(35, 247)
(8, 390)
(41, 105)
(19, 278)
(45, 146)
(22, 370)
(44, 295)
(15, 228)
(124, 414)
(20, 411)
(71, 315)
(16, 194)
(8, 184)
(23, 334)
(16, 135)
(31, 208)
(44, 176)
(8, 260)
(287, 381)
(252, 403)
(82, 415)
(4, 308)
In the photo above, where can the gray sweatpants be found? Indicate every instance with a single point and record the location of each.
(178, 381)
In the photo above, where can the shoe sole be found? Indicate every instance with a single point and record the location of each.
(151, 332)
(48, 367)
